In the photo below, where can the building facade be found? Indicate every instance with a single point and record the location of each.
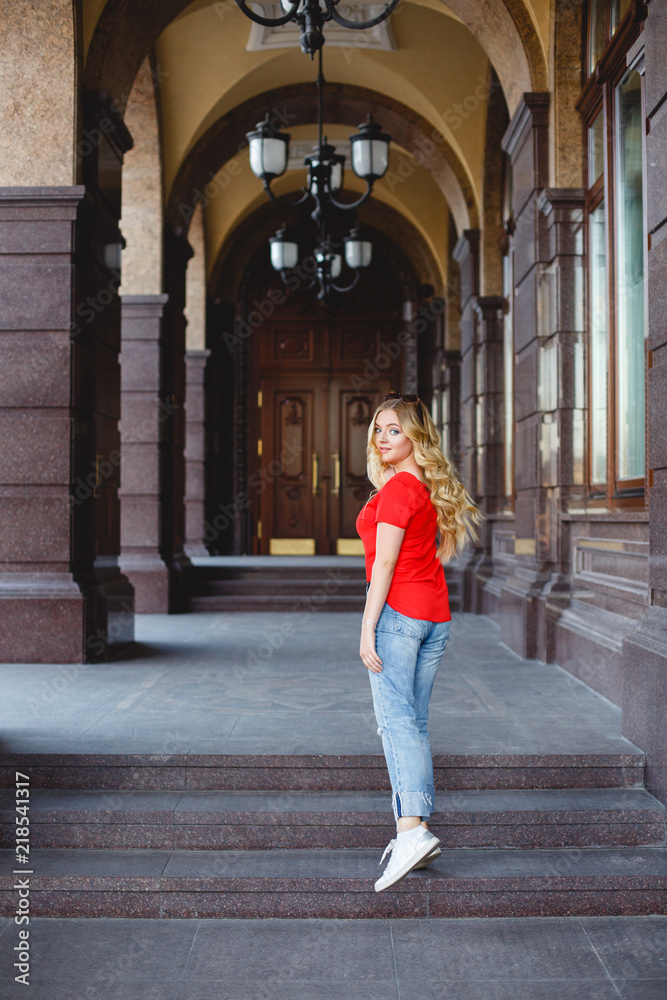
(164, 394)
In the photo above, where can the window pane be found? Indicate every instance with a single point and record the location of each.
(508, 360)
(630, 278)
(598, 37)
(595, 149)
(619, 9)
(599, 358)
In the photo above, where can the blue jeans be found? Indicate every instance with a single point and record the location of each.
(411, 650)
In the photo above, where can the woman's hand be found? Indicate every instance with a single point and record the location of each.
(367, 649)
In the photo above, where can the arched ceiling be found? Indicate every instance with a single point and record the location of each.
(294, 104)
(448, 93)
(513, 33)
(430, 94)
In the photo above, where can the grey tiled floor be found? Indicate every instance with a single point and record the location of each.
(551, 958)
(281, 683)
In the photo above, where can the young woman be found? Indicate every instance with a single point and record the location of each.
(406, 621)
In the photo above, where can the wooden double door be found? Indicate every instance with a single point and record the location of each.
(317, 389)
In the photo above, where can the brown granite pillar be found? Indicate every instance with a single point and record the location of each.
(644, 656)
(43, 609)
(96, 364)
(451, 405)
(561, 399)
(526, 143)
(195, 492)
(466, 253)
(489, 431)
(177, 252)
(143, 415)
(62, 595)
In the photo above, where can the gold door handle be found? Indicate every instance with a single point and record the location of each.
(336, 486)
(316, 484)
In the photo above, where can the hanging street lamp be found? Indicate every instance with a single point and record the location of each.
(269, 154)
(311, 15)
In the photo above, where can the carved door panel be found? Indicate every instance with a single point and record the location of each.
(294, 462)
(318, 384)
(350, 487)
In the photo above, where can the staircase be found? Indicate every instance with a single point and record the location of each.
(285, 583)
(301, 836)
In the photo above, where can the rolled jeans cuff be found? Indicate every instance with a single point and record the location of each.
(413, 803)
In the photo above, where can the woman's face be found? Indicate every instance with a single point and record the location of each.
(393, 444)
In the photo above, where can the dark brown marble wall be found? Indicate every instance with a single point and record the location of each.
(195, 492)
(143, 415)
(644, 660)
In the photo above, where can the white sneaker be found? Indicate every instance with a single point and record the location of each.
(404, 857)
(429, 859)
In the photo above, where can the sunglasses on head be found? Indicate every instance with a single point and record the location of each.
(409, 397)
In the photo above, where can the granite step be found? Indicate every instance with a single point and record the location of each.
(288, 587)
(338, 883)
(265, 588)
(322, 772)
(256, 820)
(317, 600)
(303, 568)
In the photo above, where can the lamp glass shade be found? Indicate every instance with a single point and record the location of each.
(358, 253)
(284, 254)
(370, 157)
(268, 156)
(287, 6)
(336, 176)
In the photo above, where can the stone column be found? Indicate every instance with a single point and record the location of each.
(644, 658)
(451, 405)
(526, 143)
(561, 398)
(43, 608)
(467, 255)
(195, 492)
(63, 596)
(177, 252)
(489, 428)
(143, 414)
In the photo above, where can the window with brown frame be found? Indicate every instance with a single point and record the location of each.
(611, 105)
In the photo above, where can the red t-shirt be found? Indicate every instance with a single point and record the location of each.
(418, 588)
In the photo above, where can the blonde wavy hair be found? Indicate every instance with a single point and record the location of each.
(457, 513)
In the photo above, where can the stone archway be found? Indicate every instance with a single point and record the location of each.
(343, 105)
(126, 31)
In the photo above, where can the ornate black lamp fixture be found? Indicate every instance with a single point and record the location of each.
(269, 151)
(310, 15)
